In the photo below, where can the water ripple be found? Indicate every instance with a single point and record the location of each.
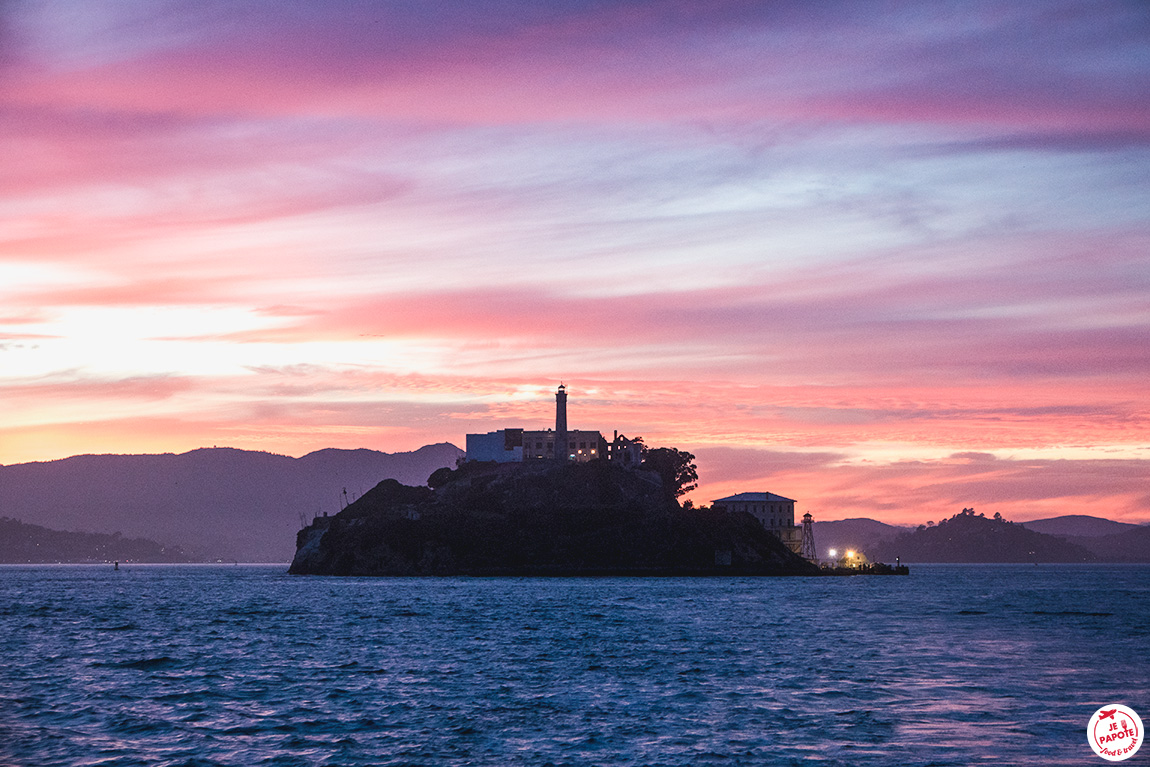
(247, 666)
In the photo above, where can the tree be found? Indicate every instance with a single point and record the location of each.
(675, 467)
(439, 477)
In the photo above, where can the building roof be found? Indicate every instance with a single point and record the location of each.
(755, 497)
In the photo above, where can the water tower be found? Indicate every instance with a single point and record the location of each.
(808, 550)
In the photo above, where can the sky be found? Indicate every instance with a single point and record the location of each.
(889, 259)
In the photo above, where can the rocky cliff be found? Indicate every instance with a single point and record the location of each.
(537, 519)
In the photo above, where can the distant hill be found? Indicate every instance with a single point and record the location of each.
(1110, 541)
(860, 534)
(215, 503)
(21, 543)
(1078, 525)
(1128, 546)
(969, 538)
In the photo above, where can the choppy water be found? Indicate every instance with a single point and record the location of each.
(197, 665)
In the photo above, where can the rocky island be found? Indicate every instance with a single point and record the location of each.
(541, 518)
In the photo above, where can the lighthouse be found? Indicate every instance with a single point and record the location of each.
(808, 547)
(557, 444)
(560, 450)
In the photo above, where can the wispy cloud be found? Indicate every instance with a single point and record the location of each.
(913, 492)
(827, 232)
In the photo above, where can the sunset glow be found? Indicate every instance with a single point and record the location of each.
(888, 263)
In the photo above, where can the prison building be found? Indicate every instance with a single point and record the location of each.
(775, 513)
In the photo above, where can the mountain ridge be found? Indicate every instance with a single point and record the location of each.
(214, 503)
(1078, 525)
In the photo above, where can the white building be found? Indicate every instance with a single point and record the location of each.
(503, 446)
(775, 513)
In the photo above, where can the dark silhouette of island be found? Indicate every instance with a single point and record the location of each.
(540, 518)
(22, 543)
(215, 504)
(970, 537)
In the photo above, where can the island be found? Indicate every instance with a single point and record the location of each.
(22, 543)
(976, 538)
(538, 518)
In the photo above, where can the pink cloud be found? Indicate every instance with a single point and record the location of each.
(677, 62)
(70, 160)
(912, 492)
(73, 387)
(27, 317)
(123, 147)
(298, 409)
(146, 292)
(944, 325)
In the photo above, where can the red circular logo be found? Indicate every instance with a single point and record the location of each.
(1115, 732)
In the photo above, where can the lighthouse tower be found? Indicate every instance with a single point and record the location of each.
(561, 424)
(808, 550)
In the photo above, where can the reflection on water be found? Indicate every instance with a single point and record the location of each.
(246, 665)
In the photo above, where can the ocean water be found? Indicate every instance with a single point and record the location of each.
(245, 665)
